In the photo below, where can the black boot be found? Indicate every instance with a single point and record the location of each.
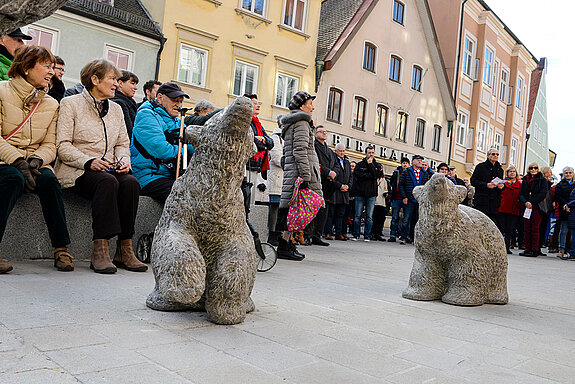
(286, 251)
(273, 238)
(315, 240)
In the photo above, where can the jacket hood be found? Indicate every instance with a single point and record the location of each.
(296, 116)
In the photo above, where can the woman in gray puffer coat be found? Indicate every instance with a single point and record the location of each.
(299, 160)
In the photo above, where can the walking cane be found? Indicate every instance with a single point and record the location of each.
(180, 140)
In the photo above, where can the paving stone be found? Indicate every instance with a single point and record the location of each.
(224, 338)
(425, 375)
(322, 372)
(432, 358)
(548, 369)
(184, 355)
(38, 376)
(272, 357)
(51, 338)
(135, 334)
(134, 374)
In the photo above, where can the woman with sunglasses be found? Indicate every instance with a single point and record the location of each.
(510, 208)
(532, 192)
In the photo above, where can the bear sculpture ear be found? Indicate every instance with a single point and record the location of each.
(461, 193)
(417, 192)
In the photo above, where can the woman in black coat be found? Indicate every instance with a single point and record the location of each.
(562, 197)
(532, 192)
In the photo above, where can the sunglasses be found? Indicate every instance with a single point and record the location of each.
(532, 168)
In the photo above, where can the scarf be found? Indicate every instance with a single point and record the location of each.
(261, 155)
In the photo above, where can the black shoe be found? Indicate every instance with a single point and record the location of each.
(289, 255)
(273, 238)
(317, 241)
(292, 248)
(528, 254)
(509, 252)
(391, 240)
(539, 253)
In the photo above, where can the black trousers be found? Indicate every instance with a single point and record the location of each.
(334, 224)
(379, 214)
(273, 216)
(50, 194)
(158, 189)
(316, 226)
(507, 223)
(114, 202)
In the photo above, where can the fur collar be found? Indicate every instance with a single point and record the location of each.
(295, 116)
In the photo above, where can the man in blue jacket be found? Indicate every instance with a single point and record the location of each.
(410, 178)
(154, 142)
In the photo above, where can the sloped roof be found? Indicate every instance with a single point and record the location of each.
(335, 16)
(126, 14)
(536, 76)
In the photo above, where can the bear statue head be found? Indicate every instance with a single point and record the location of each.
(440, 189)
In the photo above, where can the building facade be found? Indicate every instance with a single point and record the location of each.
(218, 50)
(118, 30)
(537, 128)
(490, 71)
(383, 80)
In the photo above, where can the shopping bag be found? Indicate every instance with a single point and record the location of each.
(303, 207)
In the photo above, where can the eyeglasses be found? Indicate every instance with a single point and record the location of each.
(61, 69)
(495, 154)
(532, 168)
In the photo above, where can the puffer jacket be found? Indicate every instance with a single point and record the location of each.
(562, 193)
(82, 136)
(5, 62)
(152, 121)
(299, 159)
(510, 198)
(571, 205)
(38, 136)
(276, 173)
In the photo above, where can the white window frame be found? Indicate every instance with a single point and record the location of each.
(284, 92)
(420, 132)
(365, 43)
(204, 65)
(252, 6)
(481, 135)
(131, 54)
(488, 66)
(378, 120)
(519, 92)
(513, 151)
(462, 127)
(243, 80)
(341, 104)
(54, 32)
(469, 56)
(436, 143)
(400, 68)
(304, 15)
(402, 22)
(398, 131)
(420, 88)
(356, 99)
(504, 85)
(498, 141)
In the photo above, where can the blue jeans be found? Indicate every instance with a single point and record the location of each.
(563, 229)
(396, 227)
(369, 204)
(410, 210)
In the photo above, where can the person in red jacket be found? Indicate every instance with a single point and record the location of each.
(509, 210)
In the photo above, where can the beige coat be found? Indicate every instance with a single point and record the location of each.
(38, 136)
(82, 136)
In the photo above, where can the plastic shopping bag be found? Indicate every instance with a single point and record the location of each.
(304, 205)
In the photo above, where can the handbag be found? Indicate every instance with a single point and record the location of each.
(303, 208)
(28, 116)
(546, 205)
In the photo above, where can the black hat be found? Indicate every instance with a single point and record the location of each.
(299, 99)
(19, 33)
(405, 160)
(415, 157)
(442, 165)
(172, 90)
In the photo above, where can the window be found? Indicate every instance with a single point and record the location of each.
(294, 13)
(254, 6)
(121, 58)
(394, 68)
(481, 135)
(417, 78)
(398, 10)
(519, 93)
(419, 132)
(401, 131)
(357, 118)
(43, 37)
(245, 78)
(487, 70)
(503, 86)
(193, 64)
(513, 152)
(381, 120)
(369, 57)
(462, 121)
(468, 56)
(436, 145)
(497, 142)
(334, 105)
(286, 87)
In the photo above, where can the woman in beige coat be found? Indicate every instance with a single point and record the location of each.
(26, 153)
(94, 159)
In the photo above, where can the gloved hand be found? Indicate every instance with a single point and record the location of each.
(24, 168)
(35, 164)
(262, 187)
(304, 185)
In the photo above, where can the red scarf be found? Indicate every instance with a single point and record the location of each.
(261, 154)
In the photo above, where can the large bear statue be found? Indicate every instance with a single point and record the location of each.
(203, 254)
(460, 255)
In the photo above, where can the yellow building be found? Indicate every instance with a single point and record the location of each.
(217, 50)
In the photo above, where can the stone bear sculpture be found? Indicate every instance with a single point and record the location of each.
(460, 255)
(203, 254)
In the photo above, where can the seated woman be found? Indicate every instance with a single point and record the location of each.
(94, 159)
(28, 146)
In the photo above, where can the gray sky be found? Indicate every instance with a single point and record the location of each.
(546, 29)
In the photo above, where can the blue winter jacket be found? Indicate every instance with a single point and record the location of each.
(149, 126)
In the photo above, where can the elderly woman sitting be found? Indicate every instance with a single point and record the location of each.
(28, 146)
(94, 159)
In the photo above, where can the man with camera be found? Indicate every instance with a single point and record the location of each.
(154, 146)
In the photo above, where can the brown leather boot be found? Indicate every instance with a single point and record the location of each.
(101, 262)
(125, 257)
(5, 266)
(63, 261)
(298, 236)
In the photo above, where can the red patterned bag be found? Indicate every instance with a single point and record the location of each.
(303, 207)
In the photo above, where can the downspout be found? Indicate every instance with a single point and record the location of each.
(456, 83)
(158, 56)
(319, 65)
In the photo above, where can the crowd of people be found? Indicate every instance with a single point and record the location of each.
(96, 140)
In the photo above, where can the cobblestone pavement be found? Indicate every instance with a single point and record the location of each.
(337, 317)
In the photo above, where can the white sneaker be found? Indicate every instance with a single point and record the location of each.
(366, 240)
(354, 239)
